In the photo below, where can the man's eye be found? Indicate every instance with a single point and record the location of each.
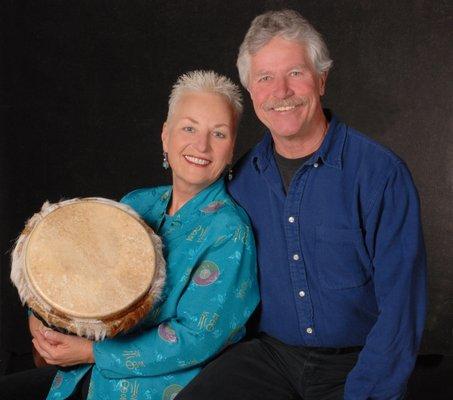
(295, 73)
(219, 134)
(189, 129)
(265, 78)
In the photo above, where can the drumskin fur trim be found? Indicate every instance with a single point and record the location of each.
(90, 328)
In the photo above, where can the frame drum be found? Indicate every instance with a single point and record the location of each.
(88, 266)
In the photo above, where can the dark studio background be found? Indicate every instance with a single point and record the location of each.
(84, 88)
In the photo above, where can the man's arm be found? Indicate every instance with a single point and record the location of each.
(394, 237)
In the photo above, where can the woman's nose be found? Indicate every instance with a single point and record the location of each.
(202, 142)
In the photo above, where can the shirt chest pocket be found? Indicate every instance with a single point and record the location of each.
(341, 259)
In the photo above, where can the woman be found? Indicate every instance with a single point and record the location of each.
(211, 287)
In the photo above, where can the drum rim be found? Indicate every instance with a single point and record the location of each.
(46, 302)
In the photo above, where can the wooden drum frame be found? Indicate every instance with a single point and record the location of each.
(88, 266)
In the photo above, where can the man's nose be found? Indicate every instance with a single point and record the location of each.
(282, 89)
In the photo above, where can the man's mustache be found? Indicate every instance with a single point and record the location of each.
(290, 102)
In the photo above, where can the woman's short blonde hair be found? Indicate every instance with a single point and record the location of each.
(206, 81)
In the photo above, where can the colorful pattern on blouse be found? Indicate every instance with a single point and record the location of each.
(210, 292)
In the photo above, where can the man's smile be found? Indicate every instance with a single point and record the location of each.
(285, 108)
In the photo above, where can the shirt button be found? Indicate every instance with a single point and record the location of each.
(301, 293)
(316, 165)
(309, 331)
(295, 257)
(291, 219)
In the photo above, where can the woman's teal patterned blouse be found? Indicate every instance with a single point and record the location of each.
(210, 292)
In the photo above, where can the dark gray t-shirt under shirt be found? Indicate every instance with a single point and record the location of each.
(288, 167)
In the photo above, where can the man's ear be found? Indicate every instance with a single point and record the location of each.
(322, 79)
(164, 136)
(249, 92)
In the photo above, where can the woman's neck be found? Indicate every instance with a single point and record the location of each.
(180, 196)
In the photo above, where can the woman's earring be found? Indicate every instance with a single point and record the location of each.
(165, 161)
(230, 173)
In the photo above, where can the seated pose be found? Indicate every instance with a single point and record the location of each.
(211, 288)
(341, 259)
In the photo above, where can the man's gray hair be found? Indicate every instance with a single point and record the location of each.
(206, 81)
(290, 25)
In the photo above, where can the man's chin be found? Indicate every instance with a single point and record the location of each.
(285, 127)
(285, 133)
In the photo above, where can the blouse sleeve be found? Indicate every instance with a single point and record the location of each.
(219, 297)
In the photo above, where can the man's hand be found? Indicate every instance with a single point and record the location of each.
(60, 349)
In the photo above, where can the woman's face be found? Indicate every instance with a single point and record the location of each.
(199, 139)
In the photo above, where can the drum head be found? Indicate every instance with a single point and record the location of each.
(90, 259)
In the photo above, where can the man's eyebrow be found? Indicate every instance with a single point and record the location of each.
(222, 124)
(263, 72)
(191, 120)
(299, 66)
(267, 72)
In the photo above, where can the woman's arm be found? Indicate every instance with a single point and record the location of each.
(220, 293)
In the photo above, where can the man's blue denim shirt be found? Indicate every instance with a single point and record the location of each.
(341, 255)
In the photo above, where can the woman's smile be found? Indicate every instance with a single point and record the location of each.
(198, 161)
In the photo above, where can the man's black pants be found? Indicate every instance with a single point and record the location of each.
(267, 369)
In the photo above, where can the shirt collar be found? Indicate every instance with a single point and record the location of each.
(201, 202)
(330, 152)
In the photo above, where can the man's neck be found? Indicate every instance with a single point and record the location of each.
(302, 143)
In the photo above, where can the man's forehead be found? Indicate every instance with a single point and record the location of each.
(288, 67)
(279, 53)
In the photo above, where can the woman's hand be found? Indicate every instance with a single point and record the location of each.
(34, 324)
(60, 349)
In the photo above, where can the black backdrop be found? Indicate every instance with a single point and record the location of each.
(84, 88)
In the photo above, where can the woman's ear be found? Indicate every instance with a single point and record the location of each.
(164, 136)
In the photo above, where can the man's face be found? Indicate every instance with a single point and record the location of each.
(285, 89)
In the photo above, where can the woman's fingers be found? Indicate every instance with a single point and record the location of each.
(54, 337)
(44, 354)
(34, 324)
(60, 349)
(44, 344)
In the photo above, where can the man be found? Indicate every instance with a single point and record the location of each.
(340, 247)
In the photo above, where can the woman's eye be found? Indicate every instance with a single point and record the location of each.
(219, 134)
(295, 73)
(189, 129)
